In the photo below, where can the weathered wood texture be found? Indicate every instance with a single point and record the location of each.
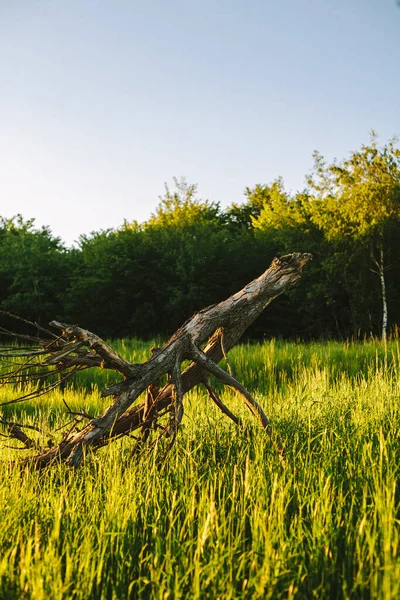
(204, 339)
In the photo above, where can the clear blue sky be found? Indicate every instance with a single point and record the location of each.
(101, 102)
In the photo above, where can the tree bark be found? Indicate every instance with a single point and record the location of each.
(380, 265)
(204, 339)
(383, 292)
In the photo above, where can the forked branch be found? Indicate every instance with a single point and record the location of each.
(204, 340)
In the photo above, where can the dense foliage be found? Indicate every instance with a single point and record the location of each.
(145, 279)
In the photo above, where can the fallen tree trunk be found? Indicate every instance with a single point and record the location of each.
(204, 340)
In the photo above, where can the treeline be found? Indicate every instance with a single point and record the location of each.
(145, 279)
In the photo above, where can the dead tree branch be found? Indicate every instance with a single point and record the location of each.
(204, 340)
(217, 400)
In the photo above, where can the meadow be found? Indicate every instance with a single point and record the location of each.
(224, 517)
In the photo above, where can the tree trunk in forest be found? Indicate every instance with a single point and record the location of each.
(383, 291)
(204, 340)
(380, 265)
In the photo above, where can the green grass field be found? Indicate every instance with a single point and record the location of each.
(224, 517)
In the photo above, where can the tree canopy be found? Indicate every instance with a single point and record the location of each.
(145, 279)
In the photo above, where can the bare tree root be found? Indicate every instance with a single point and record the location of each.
(204, 340)
(231, 382)
(217, 400)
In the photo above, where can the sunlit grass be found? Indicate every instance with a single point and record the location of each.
(224, 517)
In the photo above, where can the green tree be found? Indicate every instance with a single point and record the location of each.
(114, 289)
(34, 270)
(285, 224)
(146, 279)
(242, 215)
(358, 200)
(196, 253)
(281, 214)
(181, 207)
